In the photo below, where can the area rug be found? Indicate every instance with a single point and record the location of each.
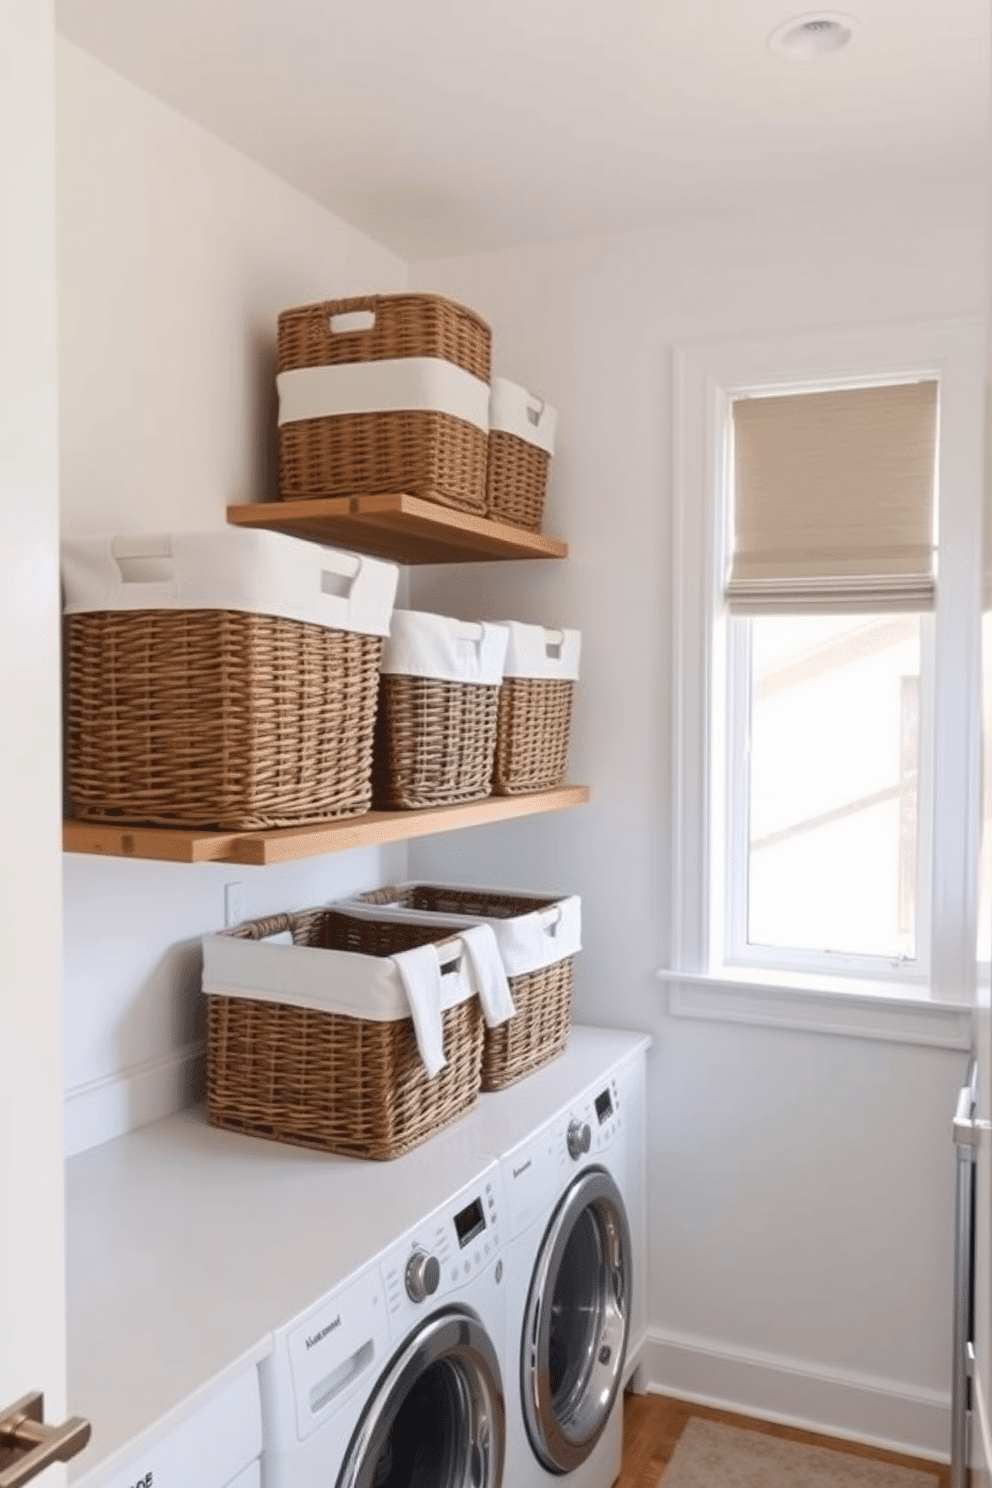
(712, 1455)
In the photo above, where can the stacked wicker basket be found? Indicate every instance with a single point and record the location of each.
(245, 680)
(393, 393)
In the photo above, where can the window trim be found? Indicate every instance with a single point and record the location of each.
(706, 377)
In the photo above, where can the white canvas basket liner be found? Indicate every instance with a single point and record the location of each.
(533, 651)
(328, 981)
(389, 385)
(513, 410)
(419, 983)
(263, 573)
(423, 645)
(527, 942)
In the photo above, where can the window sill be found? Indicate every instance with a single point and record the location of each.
(865, 1010)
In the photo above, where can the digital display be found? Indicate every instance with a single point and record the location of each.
(469, 1222)
(604, 1106)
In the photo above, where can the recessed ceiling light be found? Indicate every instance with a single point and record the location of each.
(817, 35)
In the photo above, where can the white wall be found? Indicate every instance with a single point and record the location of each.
(802, 1184)
(175, 256)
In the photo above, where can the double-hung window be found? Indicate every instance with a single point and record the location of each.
(827, 587)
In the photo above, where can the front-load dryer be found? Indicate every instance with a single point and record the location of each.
(394, 1379)
(569, 1291)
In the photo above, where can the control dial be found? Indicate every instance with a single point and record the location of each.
(423, 1272)
(578, 1138)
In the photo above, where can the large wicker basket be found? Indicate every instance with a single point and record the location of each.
(538, 937)
(322, 1077)
(435, 737)
(198, 714)
(416, 423)
(521, 443)
(534, 717)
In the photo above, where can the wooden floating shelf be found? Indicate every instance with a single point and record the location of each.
(404, 529)
(284, 844)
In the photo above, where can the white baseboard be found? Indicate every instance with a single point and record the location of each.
(795, 1392)
(981, 1436)
(106, 1108)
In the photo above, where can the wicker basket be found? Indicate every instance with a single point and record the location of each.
(521, 443)
(435, 737)
(534, 717)
(416, 423)
(538, 937)
(189, 713)
(319, 1076)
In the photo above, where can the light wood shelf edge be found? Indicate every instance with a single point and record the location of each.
(404, 528)
(286, 844)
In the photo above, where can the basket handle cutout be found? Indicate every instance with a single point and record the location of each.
(550, 920)
(555, 640)
(348, 321)
(535, 410)
(337, 585)
(447, 967)
(468, 641)
(143, 560)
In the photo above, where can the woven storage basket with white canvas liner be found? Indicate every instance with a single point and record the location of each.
(221, 679)
(534, 716)
(382, 395)
(350, 1034)
(538, 936)
(438, 695)
(521, 443)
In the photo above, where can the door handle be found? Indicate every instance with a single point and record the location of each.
(35, 1446)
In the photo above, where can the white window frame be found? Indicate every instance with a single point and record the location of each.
(707, 376)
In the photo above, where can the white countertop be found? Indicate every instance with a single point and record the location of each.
(188, 1245)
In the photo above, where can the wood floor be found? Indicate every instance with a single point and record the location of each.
(653, 1424)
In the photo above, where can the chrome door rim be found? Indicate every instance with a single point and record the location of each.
(457, 1337)
(562, 1446)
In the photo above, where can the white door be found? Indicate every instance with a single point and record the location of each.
(32, 1307)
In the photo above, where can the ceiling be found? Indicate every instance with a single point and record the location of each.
(450, 126)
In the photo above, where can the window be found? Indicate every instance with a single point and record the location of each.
(826, 750)
(823, 820)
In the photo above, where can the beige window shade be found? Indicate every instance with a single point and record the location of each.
(834, 500)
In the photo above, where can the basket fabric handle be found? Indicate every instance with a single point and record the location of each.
(490, 977)
(420, 972)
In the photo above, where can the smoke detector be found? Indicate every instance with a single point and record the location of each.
(807, 37)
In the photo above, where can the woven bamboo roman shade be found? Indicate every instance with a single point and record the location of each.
(834, 500)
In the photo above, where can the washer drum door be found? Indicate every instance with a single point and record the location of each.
(437, 1417)
(577, 1322)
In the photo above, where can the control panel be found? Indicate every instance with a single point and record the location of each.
(594, 1122)
(445, 1253)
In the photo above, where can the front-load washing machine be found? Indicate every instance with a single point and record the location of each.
(394, 1379)
(570, 1279)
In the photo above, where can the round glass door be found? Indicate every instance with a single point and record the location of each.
(437, 1417)
(577, 1322)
